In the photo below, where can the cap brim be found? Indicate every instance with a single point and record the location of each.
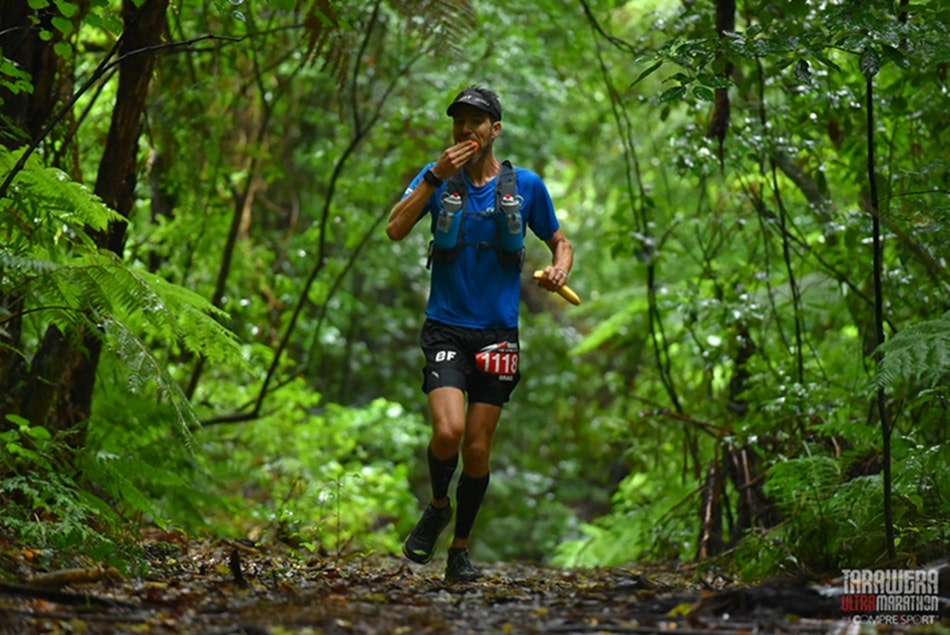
(475, 101)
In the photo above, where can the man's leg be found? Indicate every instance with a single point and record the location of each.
(447, 413)
(480, 425)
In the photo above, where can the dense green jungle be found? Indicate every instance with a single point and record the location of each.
(205, 331)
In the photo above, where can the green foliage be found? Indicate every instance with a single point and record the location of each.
(90, 287)
(918, 355)
(148, 466)
(61, 279)
(728, 296)
(646, 520)
(725, 282)
(46, 209)
(329, 479)
(833, 519)
(45, 505)
(527, 516)
(53, 511)
(13, 78)
(25, 445)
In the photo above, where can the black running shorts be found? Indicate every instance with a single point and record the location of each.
(450, 361)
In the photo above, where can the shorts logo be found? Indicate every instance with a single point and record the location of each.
(444, 356)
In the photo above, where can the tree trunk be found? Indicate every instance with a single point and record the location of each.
(26, 113)
(23, 116)
(62, 380)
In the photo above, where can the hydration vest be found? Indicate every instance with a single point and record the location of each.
(509, 233)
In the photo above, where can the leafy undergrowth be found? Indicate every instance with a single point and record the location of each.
(231, 587)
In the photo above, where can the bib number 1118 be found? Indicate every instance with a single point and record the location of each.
(498, 359)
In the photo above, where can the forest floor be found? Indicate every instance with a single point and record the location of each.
(231, 588)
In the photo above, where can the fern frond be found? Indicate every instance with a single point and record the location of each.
(324, 29)
(197, 324)
(142, 368)
(917, 355)
(439, 24)
(115, 476)
(803, 483)
(102, 285)
(95, 288)
(45, 199)
(17, 266)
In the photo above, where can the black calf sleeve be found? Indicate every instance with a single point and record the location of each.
(470, 492)
(440, 474)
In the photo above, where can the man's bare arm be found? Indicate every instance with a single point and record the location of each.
(406, 212)
(562, 252)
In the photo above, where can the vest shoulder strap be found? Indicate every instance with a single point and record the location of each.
(456, 184)
(506, 183)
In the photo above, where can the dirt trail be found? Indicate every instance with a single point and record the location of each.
(233, 588)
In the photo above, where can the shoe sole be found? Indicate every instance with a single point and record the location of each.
(426, 559)
(464, 579)
(416, 557)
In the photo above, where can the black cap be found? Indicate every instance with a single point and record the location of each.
(480, 98)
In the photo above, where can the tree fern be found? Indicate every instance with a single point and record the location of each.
(165, 311)
(94, 287)
(917, 355)
(438, 24)
(803, 483)
(114, 476)
(63, 280)
(47, 209)
(141, 368)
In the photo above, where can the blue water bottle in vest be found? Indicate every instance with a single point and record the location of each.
(449, 221)
(512, 236)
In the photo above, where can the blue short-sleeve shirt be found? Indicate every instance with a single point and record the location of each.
(476, 290)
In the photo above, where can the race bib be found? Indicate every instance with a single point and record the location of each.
(498, 359)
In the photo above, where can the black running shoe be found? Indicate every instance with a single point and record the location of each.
(458, 567)
(420, 544)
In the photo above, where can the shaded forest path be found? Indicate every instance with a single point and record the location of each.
(230, 587)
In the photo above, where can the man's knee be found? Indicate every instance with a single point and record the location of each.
(476, 451)
(446, 440)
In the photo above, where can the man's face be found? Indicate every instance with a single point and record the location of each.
(472, 123)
